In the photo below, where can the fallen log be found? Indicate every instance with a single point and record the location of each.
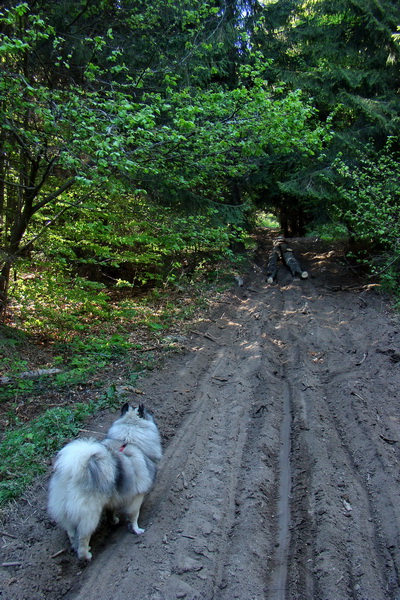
(29, 375)
(291, 262)
(272, 265)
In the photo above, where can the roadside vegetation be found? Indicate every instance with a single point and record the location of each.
(71, 348)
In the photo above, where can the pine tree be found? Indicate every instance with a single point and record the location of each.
(344, 55)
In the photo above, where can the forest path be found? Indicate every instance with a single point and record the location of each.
(280, 479)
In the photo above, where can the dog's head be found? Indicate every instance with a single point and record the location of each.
(138, 411)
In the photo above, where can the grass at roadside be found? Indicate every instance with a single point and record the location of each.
(94, 351)
(25, 450)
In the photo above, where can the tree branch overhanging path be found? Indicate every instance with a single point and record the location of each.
(213, 113)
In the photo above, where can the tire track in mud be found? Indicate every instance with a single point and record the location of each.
(234, 511)
(338, 531)
(280, 479)
(277, 589)
(261, 495)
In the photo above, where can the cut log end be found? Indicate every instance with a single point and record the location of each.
(282, 250)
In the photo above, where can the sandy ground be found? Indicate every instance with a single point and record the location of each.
(280, 479)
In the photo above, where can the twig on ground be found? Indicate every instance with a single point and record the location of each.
(362, 360)
(10, 535)
(207, 336)
(58, 553)
(30, 375)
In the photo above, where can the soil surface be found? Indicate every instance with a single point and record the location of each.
(280, 478)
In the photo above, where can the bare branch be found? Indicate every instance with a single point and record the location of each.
(69, 183)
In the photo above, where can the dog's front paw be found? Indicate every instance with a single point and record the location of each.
(134, 528)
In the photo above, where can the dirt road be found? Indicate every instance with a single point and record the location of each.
(280, 480)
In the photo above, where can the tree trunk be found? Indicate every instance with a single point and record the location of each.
(4, 281)
(291, 262)
(291, 219)
(272, 265)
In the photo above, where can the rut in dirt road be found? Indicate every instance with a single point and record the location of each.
(274, 486)
(280, 479)
(211, 500)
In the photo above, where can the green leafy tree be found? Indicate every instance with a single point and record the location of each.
(344, 55)
(77, 124)
(368, 202)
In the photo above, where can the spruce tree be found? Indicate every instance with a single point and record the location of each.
(344, 55)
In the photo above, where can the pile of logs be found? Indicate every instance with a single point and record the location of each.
(282, 250)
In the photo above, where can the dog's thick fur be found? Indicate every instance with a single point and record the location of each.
(114, 473)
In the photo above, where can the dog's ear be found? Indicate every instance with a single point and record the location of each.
(124, 409)
(141, 410)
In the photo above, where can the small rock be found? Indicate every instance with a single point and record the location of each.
(187, 565)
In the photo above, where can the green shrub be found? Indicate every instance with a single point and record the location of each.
(25, 451)
(368, 205)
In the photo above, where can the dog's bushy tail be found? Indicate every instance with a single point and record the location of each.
(90, 464)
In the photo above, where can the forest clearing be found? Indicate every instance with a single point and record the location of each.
(280, 478)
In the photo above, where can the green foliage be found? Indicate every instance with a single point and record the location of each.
(369, 195)
(87, 356)
(267, 220)
(330, 232)
(52, 300)
(140, 136)
(138, 244)
(85, 153)
(368, 204)
(345, 56)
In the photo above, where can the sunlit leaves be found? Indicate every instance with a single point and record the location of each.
(368, 202)
(92, 139)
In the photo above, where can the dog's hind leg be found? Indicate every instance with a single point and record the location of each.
(83, 549)
(85, 529)
(112, 516)
(133, 514)
(73, 536)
